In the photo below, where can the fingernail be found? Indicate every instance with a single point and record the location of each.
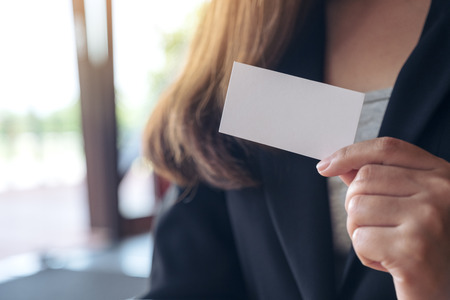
(323, 165)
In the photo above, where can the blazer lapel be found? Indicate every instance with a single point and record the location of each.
(423, 81)
(297, 195)
(297, 199)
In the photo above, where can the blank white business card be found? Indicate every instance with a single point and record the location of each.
(291, 113)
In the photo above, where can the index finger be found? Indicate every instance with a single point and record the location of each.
(383, 151)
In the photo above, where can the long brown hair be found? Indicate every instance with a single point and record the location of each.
(181, 138)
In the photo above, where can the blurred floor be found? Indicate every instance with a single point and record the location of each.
(73, 285)
(117, 272)
(48, 251)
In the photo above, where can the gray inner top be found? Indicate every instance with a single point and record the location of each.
(372, 114)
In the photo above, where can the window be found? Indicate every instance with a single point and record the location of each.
(42, 168)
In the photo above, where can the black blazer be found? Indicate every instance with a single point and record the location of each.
(274, 241)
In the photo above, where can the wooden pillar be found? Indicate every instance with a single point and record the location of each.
(93, 29)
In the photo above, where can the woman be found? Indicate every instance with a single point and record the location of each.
(258, 223)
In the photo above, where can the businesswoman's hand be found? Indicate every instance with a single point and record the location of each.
(398, 205)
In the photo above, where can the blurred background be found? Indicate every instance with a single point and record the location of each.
(78, 80)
